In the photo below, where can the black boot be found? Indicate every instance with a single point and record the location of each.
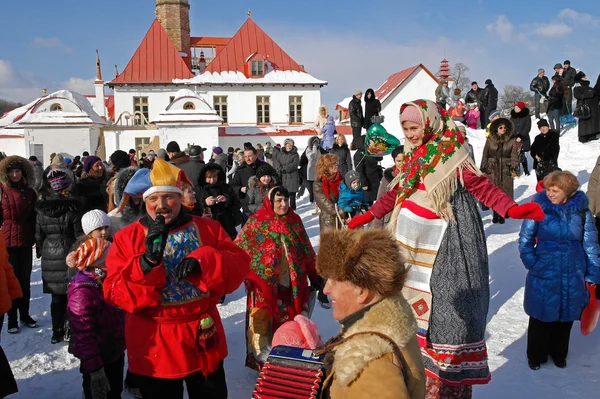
(57, 336)
(495, 218)
(534, 365)
(29, 322)
(13, 327)
(500, 220)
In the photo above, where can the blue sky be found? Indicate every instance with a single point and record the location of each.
(351, 44)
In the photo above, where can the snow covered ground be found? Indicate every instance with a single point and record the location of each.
(48, 371)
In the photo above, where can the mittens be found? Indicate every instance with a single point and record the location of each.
(527, 211)
(361, 220)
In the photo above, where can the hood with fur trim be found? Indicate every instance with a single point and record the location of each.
(392, 317)
(28, 173)
(494, 129)
(221, 177)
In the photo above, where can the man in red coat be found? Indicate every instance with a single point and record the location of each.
(168, 271)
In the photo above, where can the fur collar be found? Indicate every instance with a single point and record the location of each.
(494, 129)
(523, 114)
(392, 317)
(577, 204)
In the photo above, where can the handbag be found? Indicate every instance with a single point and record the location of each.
(582, 111)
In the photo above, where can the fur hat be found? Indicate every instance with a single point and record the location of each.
(369, 259)
(351, 175)
(263, 170)
(93, 220)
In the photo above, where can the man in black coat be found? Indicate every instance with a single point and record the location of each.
(193, 168)
(568, 75)
(489, 100)
(356, 120)
(540, 86)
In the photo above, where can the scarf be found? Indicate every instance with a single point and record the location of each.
(263, 238)
(331, 186)
(435, 162)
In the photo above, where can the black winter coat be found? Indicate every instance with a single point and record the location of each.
(474, 97)
(590, 96)
(490, 97)
(356, 112)
(343, 153)
(193, 168)
(58, 226)
(541, 85)
(243, 173)
(569, 76)
(522, 126)
(372, 108)
(546, 146)
(556, 97)
(91, 191)
(227, 213)
(370, 174)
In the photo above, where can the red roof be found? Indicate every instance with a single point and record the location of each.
(248, 41)
(155, 61)
(394, 81)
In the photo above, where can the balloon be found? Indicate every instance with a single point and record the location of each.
(379, 142)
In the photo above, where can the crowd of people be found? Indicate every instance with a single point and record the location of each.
(137, 252)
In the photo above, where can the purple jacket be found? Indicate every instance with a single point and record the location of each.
(97, 328)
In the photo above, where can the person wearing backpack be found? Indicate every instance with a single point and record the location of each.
(588, 100)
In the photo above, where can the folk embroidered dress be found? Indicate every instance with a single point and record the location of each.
(282, 263)
(172, 327)
(439, 231)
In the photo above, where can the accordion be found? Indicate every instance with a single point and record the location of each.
(290, 373)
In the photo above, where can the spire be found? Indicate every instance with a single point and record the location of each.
(444, 69)
(116, 71)
(98, 68)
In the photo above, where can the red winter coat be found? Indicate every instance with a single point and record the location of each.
(18, 216)
(163, 341)
(9, 285)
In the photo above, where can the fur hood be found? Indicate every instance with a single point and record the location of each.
(121, 181)
(212, 166)
(311, 139)
(389, 174)
(28, 173)
(577, 204)
(392, 317)
(57, 205)
(494, 129)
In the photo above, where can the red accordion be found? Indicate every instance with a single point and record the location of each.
(290, 373)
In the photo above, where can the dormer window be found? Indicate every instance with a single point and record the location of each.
(56, 107)
(189, 106)
(258, 68)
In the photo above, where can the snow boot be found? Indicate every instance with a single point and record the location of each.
(495, 218)
(29, 322)
(57, 336)
(534, 365)
(561, 364)
(13, 327)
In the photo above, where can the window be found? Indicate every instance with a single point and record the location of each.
(55, 107)
(341, 114)
(140, 104)
(295, 109)
(189, 106)
(140, 144)
(220, 105)
(258, 67)
(263, 116)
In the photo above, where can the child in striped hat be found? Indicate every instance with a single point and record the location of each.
(97, 327)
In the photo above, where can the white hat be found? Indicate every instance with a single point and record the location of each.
(94, 220)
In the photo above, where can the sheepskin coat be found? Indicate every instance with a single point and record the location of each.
(366, 365)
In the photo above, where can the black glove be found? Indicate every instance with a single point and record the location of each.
(155, 243)
(186, 267)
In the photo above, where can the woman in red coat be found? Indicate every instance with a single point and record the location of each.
(168, 272)
(440, 235)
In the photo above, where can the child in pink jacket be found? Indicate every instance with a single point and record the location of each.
(472, 116)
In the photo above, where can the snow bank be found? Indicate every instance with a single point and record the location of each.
(236, 77)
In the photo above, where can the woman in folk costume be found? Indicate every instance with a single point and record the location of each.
(440, 234)
(282, 263)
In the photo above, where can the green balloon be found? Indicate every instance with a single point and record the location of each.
(379, 142)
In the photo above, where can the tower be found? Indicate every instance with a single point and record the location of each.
(444, 69)
(174, 16)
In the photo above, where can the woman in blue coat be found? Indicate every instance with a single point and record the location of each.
(561, 254)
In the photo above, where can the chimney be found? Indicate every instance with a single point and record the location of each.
(174, 16)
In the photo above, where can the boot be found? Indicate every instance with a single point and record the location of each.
(501, 220)
(495, 218)
(13, 327)
(29, 322)
(534, 365)
(57, 336)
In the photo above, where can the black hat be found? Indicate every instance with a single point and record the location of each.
(488, 81)
(579, 76)
(85, 154)
(473, 83)
(120, 159)
(230, 149)
(33, 158)
(248, 146)
(196, 150)
(173, 147)
(567, 62)
(542, 122)
(16, 164)
(263, 170)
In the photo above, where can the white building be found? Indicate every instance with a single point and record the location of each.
(413, 83)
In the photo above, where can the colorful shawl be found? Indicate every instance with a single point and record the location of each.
(435, 162)
(331, 186)
(263, 237)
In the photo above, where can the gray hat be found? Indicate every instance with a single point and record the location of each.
(357, 92)
(350, 177)
(557, 66)
(288, 140)
(541, 70)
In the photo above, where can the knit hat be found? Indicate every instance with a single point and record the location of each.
(120, 159)
(541, 70)
(263, 170)
(217, 150)
(15, 165)
(542, 122)
(93, 220)
(520, 104)
(299, 333)
(351, 175)
(59, 180)
(58, 160)
(369, 259)
(411, 114)
(173, 147)
(488, 81)
(89, 162)
(357, 92)
(557, 66)
(579, 76)
(230, 149)
(89, 254)
(162, 153)
(288, 141)
(494, 114)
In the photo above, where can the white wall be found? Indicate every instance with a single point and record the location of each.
(66, 140)
(13, 146)
(238, 141)
(125, 139)
(206, 135)
(418, 86)
(241, 100)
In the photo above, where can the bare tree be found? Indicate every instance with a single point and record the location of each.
(7, 106)
(461, 80)
(512, 94)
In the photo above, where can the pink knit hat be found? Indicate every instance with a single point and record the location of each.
(299, 333)
(411, 114)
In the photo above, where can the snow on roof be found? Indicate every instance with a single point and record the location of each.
(177, 113)
(397, 79)
(235, 77)
(344, 103)
(11, 116)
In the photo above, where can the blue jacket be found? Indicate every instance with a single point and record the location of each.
(328, 135)
(350, 200)
(564, 258)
